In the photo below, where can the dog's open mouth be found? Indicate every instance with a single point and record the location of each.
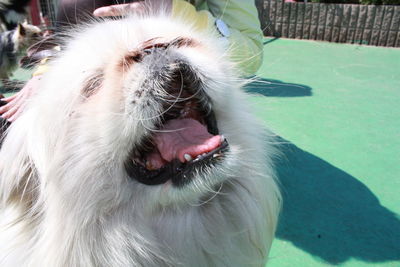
(186, 142)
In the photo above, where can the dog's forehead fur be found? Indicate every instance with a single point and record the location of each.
(137, 33)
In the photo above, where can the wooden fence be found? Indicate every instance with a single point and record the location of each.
(344, 23)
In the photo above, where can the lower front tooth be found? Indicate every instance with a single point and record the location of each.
(187, 157)
(222, 138)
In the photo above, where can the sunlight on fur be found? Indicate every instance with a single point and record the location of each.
(90, 173)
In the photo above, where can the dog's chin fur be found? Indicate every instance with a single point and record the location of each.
(66, 197)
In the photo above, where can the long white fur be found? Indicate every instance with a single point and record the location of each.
(65, 197)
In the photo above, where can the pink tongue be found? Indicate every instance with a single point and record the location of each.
(179, 137)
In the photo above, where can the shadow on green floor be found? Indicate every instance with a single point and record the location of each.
(270, 40)
(330, 214)
(275, 88)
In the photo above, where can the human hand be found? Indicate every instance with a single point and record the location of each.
(16, 103)
(138, 7)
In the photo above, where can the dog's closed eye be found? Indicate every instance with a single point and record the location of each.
(150, 45)
(92, 84)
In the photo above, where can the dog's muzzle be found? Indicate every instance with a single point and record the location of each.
(187, 140)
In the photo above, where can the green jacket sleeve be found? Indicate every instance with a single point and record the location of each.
(246, 36)
(245, 40)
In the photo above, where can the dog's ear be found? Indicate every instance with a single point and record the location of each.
(18, 176)
(21, 29)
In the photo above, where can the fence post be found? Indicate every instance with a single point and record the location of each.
(345, 23)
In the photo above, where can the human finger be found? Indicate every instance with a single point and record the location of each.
(7, 115)
(10, 98)
(16, 114)
(6, 107)
(119, 10)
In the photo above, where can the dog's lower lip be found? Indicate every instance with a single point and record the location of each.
(179, 173)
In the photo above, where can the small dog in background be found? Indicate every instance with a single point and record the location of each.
(13, 45)
(11, 13)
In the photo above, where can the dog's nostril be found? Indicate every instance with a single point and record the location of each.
(130, 58)
(137, 56)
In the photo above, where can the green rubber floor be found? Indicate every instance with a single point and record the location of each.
(336, 111)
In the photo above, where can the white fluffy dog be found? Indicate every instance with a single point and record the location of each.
(139, 150)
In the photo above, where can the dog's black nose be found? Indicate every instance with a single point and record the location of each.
(180, 78)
